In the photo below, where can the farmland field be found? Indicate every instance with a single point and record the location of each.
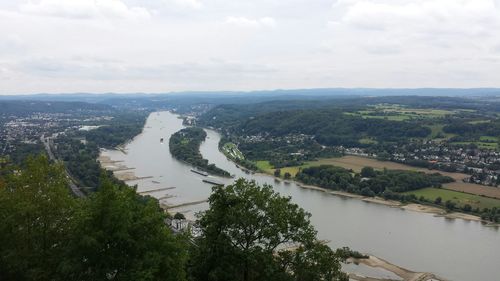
(264, 166)
(458, 197)
(400, 113)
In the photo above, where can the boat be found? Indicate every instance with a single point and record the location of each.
(199, 172)
(157, 182)
(212, 181)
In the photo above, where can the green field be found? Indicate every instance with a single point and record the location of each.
(488, 139)
(437, 132)
(400, 113)
(485, 145)
(487, 142)
(368, 141)
(365, 115)
(479, 122)
(460, 198)
(264, 166)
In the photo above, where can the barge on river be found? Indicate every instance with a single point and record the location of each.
(199, 172)
(212, 181)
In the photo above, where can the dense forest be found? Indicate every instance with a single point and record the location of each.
(123, 127)
(473, 130)
(185, 146)
(116, 234)
(331, 127)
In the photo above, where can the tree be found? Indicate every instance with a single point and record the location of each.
(121, 235)
(36, 214)
(368, 172)
(450, 205)
(287, 176)
(467, 208)
(179, 216)
(115, 234)
(438, 200)
(245, 231)
(277, 172)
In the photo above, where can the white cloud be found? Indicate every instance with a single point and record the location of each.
(221, 44)
(193, 4)
(248, 22)
(465, 17)
(84, 9)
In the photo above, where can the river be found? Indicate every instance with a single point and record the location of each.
(454, 249)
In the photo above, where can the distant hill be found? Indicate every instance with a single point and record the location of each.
(21, 107)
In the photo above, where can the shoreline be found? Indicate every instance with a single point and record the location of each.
(414, 207)
(403, 273)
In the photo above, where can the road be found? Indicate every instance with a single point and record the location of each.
(74, 188)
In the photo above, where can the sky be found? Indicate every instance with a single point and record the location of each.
(156, 46)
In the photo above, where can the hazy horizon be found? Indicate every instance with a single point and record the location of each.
(297, 91)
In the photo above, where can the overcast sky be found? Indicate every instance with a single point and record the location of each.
(174, 45)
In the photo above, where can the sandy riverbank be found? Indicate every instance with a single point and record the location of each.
(405, 274)
(441, 212)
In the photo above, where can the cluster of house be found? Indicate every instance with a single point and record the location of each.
(483, 165)
(290, 138)
(29, 129)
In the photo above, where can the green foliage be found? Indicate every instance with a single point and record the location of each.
(368, 172)
(277, 173)
(80, 160)
(395, 181)
(114, 234)
(122, 128)
(185, 146)
(330, 127)
(35, 210)
(179, 216)
(491, 129)
(450, 205)
(244, 235)
(23, 151)
(123, 235)
(346, 253)
(264, 165)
